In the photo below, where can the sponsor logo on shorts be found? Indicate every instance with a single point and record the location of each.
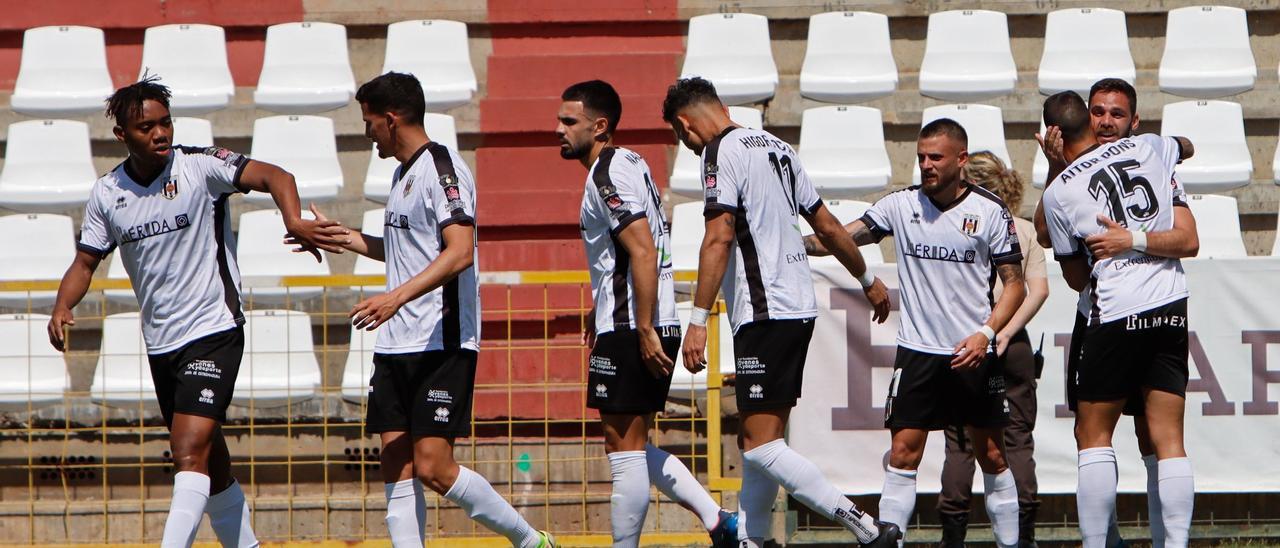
(756, 392)
(206, 396)
(602, 391)
(1135, 322)
(1006, 406)
(750, 365)
(203, 368)
(995, 384)
(602, 365)
(442, 414)
(439, 396)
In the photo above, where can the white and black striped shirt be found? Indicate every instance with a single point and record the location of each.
(619, 191)
(174, 235)
(757, 178)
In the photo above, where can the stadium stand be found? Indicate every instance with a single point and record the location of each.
(687, 230)
(733, 51)
(848, 211)
(122, 376)
(685, 384)
(983, 123)
(1071, 63)
(1218, 224)
(279, 366)
(47, 166)
(43, 251)
(305, 69)
(359, 367)
(63, 72)
(441, 128)
(261, 252)
(967, 56)
(1040, 167)
(192, 61)
(305, 146)
(686, 174)
(116, 271)
(437, 52)
(372, 224)
(192, 132)
(842, 150)
(847, 58)
(33, 374)
(1216, 128)
(1207, 53)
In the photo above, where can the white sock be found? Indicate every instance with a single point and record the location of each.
(402, 514)
(477, 498)
(755, 507)
(229, 516)
(190, 494)
(630, 499)
(1096, 494)
(1153, 500)
(804, 481)
(420, 508)
(1113, 532)
(670, 476)
(1002, 506)
(898, 498)
(1177, 498)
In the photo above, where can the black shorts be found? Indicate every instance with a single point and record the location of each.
(1136, 406)
(199, 378)
(1144, 350)
(617, 380)
(423, 393)
(926, 393)
(769, 356)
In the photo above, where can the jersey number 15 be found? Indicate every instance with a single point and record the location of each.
(1115, 184)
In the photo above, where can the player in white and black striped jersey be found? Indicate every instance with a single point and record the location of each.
(165, 209)
(755, 189)
(633, 332)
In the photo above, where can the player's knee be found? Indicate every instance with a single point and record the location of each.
(437, 476)
(991, 460)
(904, 455)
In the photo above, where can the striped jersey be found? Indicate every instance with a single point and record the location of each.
(947, 257)
(174, 235)
(620, 191)
(757, 179)
(431, 191)
(1130, 181)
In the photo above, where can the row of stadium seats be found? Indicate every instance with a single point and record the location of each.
(49, 167)
(305, 67)
(968, 56)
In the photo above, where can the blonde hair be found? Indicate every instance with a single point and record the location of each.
(987, 171)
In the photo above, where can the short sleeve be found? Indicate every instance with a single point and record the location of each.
(879, 217)
(453, 195)
(1167, 148)
(620, 189)
(218, 167)
(1065, 243)
(95, 237)
(1003, 237)
(807, 197)
(721, 181)
(1179, 193)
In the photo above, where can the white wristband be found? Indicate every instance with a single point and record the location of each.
(867, 278)
(699, 316)
(1139, 240)
(990, 333)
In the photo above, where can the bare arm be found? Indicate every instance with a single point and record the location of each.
(358, 242)
(1037, 293)
(859, 232)
(311, 235)
(637, 240)
(1051, 144)
(75, 283)
(713, 259)
(970, 352)
(1179, 242)
(457, 256)
(834, 238)
(1188, 149)
(1076, 272)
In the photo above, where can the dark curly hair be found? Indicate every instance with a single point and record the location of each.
(686, 92)
(127, 101)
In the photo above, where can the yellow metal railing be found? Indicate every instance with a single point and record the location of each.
(84, 472)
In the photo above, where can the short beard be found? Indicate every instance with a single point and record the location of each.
(574, 153)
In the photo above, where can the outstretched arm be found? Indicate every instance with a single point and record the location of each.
(858, 231)
(833, 237)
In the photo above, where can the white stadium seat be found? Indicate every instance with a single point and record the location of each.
(847, 59)
(684, 383)
(1216, 128)
(32, 373)
(47, 165)
(984, 124)
(842, 150)
(847, 211)
(192, 132)
(63, 72)
(116, 271)
(1070, 63)
(372, 224)
(1207, 53)
(1218, 223)
(1275, 246)
(377, 180)
(1040, 168)
(279, 365)
(355, 375)
(192, 61)
(123, 374)
(967, 56)
(686, 174)
(687, 229)
(305, 69)
(734, 52)
(44, 249)
(304, 146)
(260, 251)
(437, 52)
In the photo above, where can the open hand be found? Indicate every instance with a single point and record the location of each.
(1113, 241)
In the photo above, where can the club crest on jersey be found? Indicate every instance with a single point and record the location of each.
(970, 225)
(170, 190)
(408, 184)
(709, 180)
